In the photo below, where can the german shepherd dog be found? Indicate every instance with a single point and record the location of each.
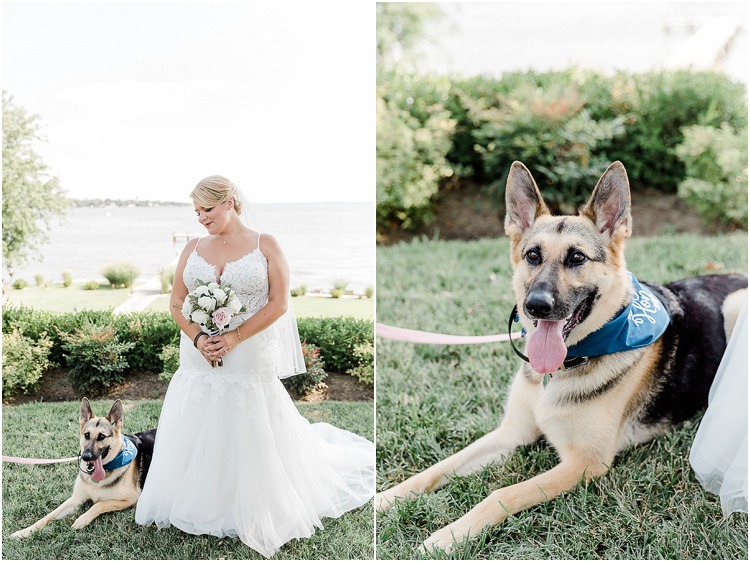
(570, 280)
(100, 479)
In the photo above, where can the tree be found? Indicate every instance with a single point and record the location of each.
(400, 26)
(31, 196)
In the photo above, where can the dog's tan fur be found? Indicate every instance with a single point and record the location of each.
(119, 489)
(587, 430)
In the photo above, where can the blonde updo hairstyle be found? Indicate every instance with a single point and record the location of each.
(215, 190)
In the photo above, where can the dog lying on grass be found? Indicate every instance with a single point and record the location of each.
(112, 468)
(611, 361)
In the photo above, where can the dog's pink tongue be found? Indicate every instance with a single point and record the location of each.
(98, 474)
(546, 347)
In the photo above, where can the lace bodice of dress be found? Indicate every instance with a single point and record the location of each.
(248, 276)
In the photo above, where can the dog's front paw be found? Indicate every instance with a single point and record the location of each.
(23, 533)
(444, 539)
(81, 522)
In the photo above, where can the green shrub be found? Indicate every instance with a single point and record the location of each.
(715, 162)
(551, 131)
(166, 275)
(369, 292)
(656, 107)
(565, 125)
(67, 279)
(91, 285)
(315, 375)
(39, 280)
(121, 274)
(149, 332)
(339, 288)
(95, 358)
(170, 358)
(336, 338)
(411, 149)
(32, 323)
(365, 369)
(301, 291)
(19, 284)
(24, 362)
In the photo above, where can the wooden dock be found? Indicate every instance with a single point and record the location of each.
(183, 237)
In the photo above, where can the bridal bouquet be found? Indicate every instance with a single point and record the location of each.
(212, 306)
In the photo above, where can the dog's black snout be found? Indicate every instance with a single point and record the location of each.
(87, 455)
(539, 304)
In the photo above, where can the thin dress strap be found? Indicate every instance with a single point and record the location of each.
(259, 235)
(198, 243)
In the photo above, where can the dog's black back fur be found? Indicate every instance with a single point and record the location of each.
(144, 441)
(692, 346)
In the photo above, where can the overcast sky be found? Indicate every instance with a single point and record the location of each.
(143, 99)
(495, 37)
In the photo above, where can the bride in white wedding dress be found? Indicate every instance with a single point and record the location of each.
(233, 457)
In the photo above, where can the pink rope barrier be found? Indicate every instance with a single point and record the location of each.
(417, 336)
(21, 460)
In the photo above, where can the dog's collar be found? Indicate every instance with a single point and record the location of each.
(126, 455)
(569, 363)
(643, 321)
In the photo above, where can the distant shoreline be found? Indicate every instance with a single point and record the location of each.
(109, 203)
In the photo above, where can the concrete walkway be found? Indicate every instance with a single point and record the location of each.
(143, 295)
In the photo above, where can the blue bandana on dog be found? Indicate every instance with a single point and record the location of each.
(639, 324)
(125, 456)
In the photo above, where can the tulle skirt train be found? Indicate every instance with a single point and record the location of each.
(719, 451)
(234, 457)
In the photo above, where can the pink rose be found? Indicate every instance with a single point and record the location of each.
(221, 317)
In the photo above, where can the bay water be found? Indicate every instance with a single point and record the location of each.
(323, 242)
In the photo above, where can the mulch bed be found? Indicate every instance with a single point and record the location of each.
(466, 212)
(55, 387)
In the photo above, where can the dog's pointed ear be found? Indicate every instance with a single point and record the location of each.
(609, 205)
(115, 414)
(86, 413)
(523, 201)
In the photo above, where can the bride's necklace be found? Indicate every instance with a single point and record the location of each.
(225, 240)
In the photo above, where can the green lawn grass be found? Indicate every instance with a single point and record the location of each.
(57, 298)
(328, 307)
(308, 306)
(434, 400)
(50, 430)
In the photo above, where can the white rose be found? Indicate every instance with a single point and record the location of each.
(207, 303)
(235, 305)
(187, 308)
(220, 296)
(202, 290)
(199, 317)
(213, 285)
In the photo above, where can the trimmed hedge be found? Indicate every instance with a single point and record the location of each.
(565, 126)
(337, 339)
(144, 335)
